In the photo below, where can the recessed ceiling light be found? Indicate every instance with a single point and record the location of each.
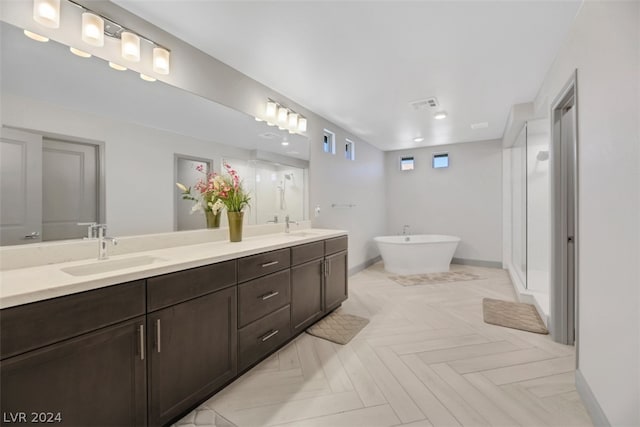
(440, 115)
(36, 37)
(418, 139)
(284, 142)
(80, 53)
(481, 125)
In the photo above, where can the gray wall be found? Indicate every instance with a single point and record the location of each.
(463, 200)
(604, 46)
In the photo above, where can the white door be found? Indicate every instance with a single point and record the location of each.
(20, 187)
(69, 188)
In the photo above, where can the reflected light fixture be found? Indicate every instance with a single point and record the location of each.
(130, 46)
(36, 37)
(418, 139)
(47, 13)
(271, 109)
(284, 142)
(117, 66)
(147, 78)
(293, 121)
(92, 29)
(440, 115)
(80, 53)
(302, 124)
(161, 60)
(282, 115)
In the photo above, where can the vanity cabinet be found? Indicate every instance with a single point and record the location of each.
(191, 339)
(307, 302)
(77, 359)
(335, 273)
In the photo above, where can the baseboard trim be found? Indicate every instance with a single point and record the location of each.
(588, 398)
(477, 262)
(358, 268)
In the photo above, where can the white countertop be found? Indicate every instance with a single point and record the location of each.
(26, 285)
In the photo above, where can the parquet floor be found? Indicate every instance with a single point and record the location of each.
(426, 358)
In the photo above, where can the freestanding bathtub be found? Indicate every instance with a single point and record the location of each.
(417, 254)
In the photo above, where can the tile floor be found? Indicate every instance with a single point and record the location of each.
(426, 358)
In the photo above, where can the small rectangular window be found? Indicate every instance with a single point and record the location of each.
(329, 142)
(441, 160)
(349, 150)
(406, 163)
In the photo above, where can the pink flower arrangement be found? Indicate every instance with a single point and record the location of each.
(217, 191)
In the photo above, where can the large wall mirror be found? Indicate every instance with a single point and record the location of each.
(109, 147)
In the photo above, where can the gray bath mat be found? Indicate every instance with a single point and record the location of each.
(515, 315)
(339, 328)
(203, 417)
(434, 278)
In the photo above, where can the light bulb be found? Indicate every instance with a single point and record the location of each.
(80, 53)
(92, 29)
(161, 60)
(36, 37)
(47, 12)
(130, 46)
(302, 124)
(270, 110)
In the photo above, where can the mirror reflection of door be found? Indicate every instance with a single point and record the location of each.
(48, 187)
(20, 187)
(186, 173)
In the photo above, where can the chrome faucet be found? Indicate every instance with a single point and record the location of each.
(274, 220)
(91, 229)
(102, 241)
(404, 229)
(287, 222)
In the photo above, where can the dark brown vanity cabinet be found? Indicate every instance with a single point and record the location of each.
(335, 273)
(73, 368)
(307, 302)
(191, 345)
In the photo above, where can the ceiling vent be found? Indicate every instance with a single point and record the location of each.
(425, 104)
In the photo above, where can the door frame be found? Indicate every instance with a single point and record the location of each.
(559, 304)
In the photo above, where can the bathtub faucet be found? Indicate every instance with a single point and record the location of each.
(404, 229)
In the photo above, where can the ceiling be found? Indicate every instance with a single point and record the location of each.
(360, 63)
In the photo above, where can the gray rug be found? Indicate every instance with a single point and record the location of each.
(338, 327)
(434, 278)
(515, 315)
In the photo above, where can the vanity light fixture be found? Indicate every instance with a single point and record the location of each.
(92, 29)
(80, 53)
(36, 37)
(130, 46)
(293, 121)
(161, 60)
(285, 118)
(440, 115)
(47, 13)
(270, 111)
(282, 115)
(117, 66)
(147, 78)
(302, 124)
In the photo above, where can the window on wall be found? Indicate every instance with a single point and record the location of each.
(329, 142)
(441, 160)
(349, 150)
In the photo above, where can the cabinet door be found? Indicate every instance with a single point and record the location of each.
(192, 353)
(96, 379)
(335, 280)
(306, 294)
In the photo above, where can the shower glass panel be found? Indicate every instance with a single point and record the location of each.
(519, 206)
(281, 190)
(538, 206)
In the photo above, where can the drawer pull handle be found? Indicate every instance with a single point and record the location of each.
(269, 295)
(158, 331)
(269, 264)
(269, 335)
(141, 333)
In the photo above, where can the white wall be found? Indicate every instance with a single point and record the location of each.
(335, 180)
(463, 200)
(604, 46)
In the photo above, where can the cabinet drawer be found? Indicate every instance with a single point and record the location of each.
(337, 244)
(263, 336)
(259, 297)
(263, 264)
(35, 325)
(304, 253)
(173, 288)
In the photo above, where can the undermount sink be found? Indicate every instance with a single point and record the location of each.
(109, 265)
